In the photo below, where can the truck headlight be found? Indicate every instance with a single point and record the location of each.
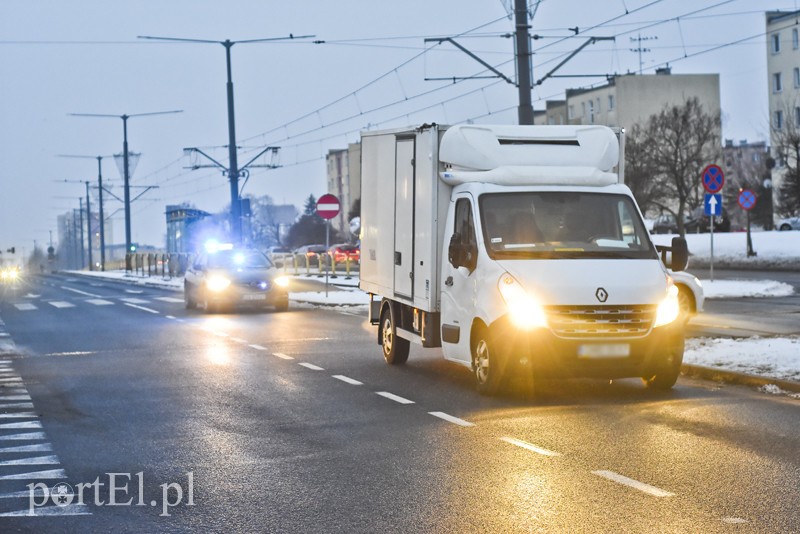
(217, 283)
(669, 309)
(523, 309)
(282, 281)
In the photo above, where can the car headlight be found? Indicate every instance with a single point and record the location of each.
(217, 283)
(282, 281)
(523, 309)
(669, 309)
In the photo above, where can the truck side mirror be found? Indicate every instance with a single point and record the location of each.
(455, 250)
(680, 254)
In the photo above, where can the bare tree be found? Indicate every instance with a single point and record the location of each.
(679, 142)
(786, 146)
(641, 176)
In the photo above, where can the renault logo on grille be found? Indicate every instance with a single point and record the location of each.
(601, 294)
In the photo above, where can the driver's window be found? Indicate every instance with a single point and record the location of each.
(465, 227)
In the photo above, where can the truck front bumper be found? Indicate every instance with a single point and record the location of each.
(555, 357)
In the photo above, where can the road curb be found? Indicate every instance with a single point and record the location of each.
(732, 377)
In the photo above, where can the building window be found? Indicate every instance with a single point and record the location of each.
(777, 84)
(583, 109)
(570, 112)
(591, 111)
(756, 157)
(795, 39)
(797, 116)
(598, 105)
(778, 120)
(610, 102)
(776, 43)
(796, 77)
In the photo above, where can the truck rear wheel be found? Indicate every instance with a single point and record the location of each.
(395, 349)
(487, 363)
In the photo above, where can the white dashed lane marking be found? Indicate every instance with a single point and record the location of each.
(61, 304)
(135, 301)
(282, 356)
(348, 380)
(257, 347)
(641, 486)
(79, 292)
(311, 366)
(529, 446)
(451, 419)
(395, 398)
(169, 299)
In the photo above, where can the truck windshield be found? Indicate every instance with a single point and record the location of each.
(563, 225)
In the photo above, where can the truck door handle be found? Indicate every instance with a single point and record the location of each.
(449, 281)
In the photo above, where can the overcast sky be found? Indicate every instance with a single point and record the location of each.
(83, 56)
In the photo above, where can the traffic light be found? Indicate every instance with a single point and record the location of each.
(51, 253)
(12, 250)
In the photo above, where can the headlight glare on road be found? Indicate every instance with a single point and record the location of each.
(523, 309)
(669, 309)
(282, 281)
(217, 283)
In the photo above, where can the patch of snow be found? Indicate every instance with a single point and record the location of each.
(719, 289)
(768, 357)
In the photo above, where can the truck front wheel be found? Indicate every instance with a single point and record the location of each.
(487, 363)
(666, 377)
(395, 349)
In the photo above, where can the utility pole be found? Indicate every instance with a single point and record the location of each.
(126, 174)
(525, 110)
(83, 252)
(233, 170)
(89, 226)
(638, 40)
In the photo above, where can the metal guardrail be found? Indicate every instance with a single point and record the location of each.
(173, 265)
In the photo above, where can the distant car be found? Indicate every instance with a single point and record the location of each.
(690, 293)
(790, 223)
(278, 250)
(311, 252)
(343, 252)
(665, 224)
(9, 275)
(234, 277)
(699, 222)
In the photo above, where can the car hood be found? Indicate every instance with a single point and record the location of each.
(591, 281)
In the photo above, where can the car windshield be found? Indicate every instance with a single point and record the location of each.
(238, 260)
(559, 225)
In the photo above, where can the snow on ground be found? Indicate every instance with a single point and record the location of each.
(768, 357)
(720, 289)
(730, 248)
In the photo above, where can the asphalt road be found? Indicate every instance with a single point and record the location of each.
(291, 422)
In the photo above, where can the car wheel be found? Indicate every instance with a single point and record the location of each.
(488, 364)
(282, 305)
(187, 299)
(785, 228)
(666, 377)
(207, 306)
(395, 349)
(685, 302)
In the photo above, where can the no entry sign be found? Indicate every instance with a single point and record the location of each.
(328, 206)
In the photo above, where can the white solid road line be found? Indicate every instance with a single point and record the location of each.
(282, 356)
(25, 306)
(135, 301)
(79, 292)
(451, 419)
(529, 446)
(311, 366)
(169, 299)
(141, 308)
(641, 486)
(349, 380)
(396, 398)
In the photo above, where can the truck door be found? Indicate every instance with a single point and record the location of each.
(459, 285)
(404, 218)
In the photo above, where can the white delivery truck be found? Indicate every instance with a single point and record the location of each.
(516, 247)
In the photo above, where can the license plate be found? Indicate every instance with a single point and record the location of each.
(254, 296)
(604, 350)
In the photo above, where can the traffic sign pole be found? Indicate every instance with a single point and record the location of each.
(712, 248)
(327, 207)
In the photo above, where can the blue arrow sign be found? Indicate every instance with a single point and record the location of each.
(712, 205)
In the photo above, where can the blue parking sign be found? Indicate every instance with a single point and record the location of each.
(712, 205)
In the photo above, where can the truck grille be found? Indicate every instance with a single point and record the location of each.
(600, 321)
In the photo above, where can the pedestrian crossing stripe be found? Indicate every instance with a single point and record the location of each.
(25, 306)
(100, 302)
(61, 304)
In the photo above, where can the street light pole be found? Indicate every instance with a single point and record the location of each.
(233, 169)
(126, 173)
(89, 225)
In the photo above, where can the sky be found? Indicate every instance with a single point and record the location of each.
(368, 71)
